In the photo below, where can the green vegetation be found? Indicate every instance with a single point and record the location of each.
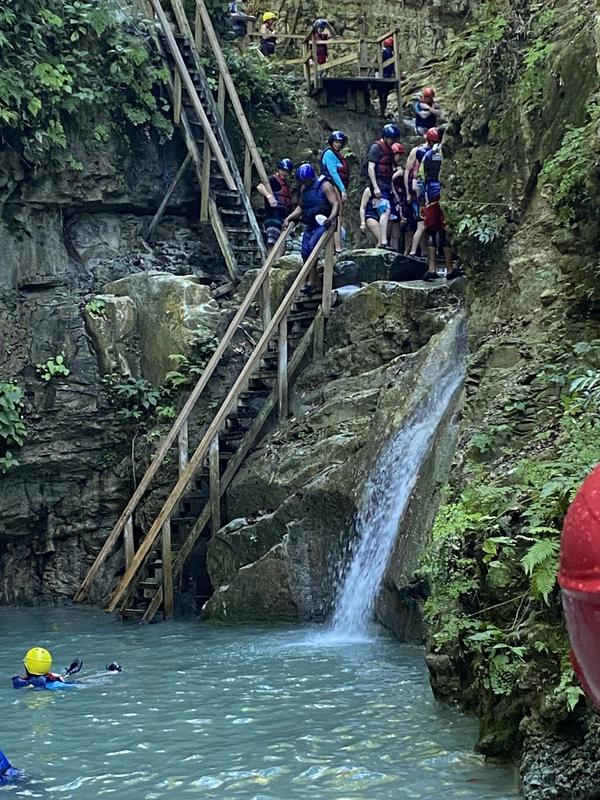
(63, 63)
(12, 427)
(96, 308)
(52, 367)
(188, 371)
(493, 560)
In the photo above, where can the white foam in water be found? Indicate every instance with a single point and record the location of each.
(384, 500)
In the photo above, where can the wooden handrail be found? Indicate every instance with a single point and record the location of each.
(218, 421)
(191, 90)
(232, 91)
(181, 420)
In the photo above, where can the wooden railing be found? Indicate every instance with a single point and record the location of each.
(275, 324)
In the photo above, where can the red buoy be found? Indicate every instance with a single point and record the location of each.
(579, 579)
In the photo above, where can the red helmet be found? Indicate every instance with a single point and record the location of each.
(398, 147)
(428, 91)
(389, 42)
(432, 135)
(579, 579)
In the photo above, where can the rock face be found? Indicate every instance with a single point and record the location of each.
(63, 238)
(294, 501)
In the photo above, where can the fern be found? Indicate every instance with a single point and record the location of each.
(538, 553)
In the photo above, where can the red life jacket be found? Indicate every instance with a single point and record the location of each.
(384, 168)
(343, 169)
(283, 195)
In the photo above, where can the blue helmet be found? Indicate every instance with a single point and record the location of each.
(305, 172)
(390, 132)
(286, 163)
(337, 136)
(320, 23)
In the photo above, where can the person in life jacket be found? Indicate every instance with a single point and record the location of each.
(381, 162)
(398, 199)
(427, 111)
(268, 38)
(334, 165)
(389, 71)
(318, 209)
(322, 31)
(8, 773)
(579, 580)
(374, 216)
(433, 216)
(37, 663)
(278, 200)
(239, 20)
(415, 199)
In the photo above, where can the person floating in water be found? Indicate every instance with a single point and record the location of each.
(8, 773)
(38, 665)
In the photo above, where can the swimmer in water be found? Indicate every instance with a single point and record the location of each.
(8, 773)
(38, 665)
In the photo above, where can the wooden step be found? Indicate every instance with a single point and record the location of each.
(227, 197)
(300, 316)
(133, 613)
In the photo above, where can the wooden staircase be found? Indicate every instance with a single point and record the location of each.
(191, 513)
(224, 195)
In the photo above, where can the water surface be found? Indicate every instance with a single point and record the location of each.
(240, 712)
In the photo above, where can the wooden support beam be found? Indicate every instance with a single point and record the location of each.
(177, 99)
(265, 302)
(165, 201)
(128, 543)
(183, 447)
(221, 94)
(167, 568)
(205, 184)
(328, 278)
(198, 30)
(282, 369)
(247, 171)
(193, 94)
(398, 84)
(222, 238)
(214, 477)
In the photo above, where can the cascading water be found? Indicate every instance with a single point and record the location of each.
(388, 491)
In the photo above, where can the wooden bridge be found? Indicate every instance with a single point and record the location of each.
(154, 555)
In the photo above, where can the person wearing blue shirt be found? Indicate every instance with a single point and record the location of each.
(8, 773)
(334, 165)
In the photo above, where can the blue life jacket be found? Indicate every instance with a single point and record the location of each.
(313, 201)
(8, 773)
(387, 53)
(431, 164)
(430, 121)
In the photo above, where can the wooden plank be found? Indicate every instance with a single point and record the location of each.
(183, 446)
(128, 543)
(193, 94)
(265, 302)
(232, 91)
(205, 184)
(232, 467)
(222, 238)
(168, 441)
(337, 62)
(328, 278)
(248, 171)
(398, 84)
(165, 201)
(214, 477)
(198, 30)
(282, 369)
(177, 99)
(182, 20)
(221, 98)
(319, 336)
(216, 424)
(315, 65)
(167, 568)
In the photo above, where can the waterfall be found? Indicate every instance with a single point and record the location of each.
(388, 490)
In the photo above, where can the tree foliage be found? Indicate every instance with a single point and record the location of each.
(61, 61)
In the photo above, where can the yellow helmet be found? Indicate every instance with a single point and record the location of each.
(269, 15)
(37, 661)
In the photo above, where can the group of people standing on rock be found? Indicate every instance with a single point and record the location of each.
(399, 207)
